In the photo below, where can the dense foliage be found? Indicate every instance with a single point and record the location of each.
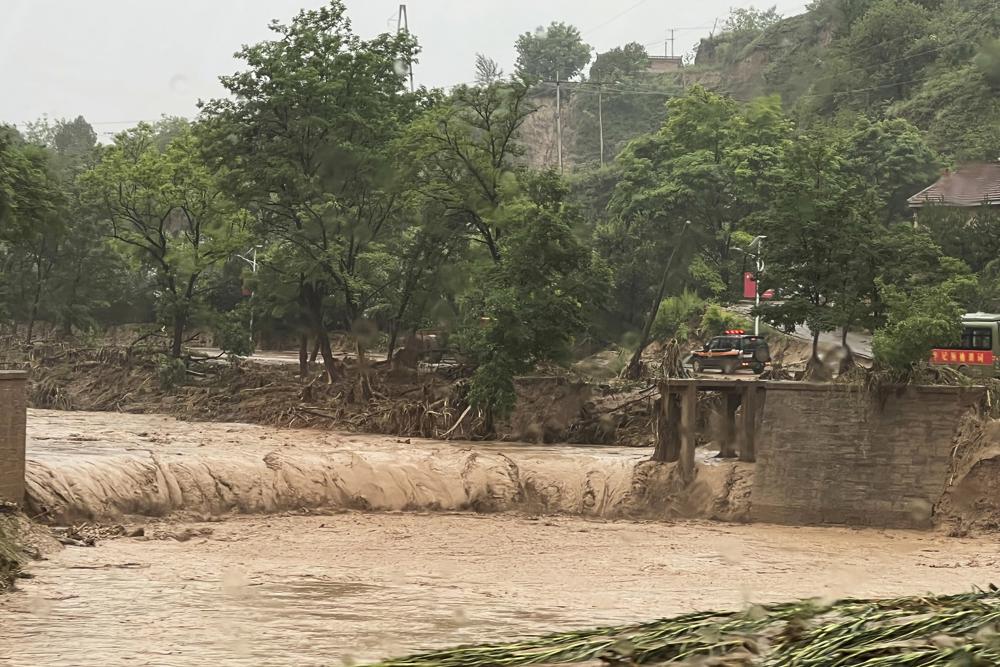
(323, 197)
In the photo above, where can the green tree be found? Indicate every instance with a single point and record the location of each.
(750, 19)
(74, 138)
(888, 48)
(307, 135)
(464, 152)
(892, 156)
(528, 307)
(972, 235)
(548, 53)
(90, 274)
(32, 207)
(959, 111)
(815, 229)
(704, 165)
(168, 208)
(487, 70)
(921, 319)
(620, 64)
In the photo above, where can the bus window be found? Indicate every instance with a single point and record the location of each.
(977, 338)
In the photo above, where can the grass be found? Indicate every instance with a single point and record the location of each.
(949, 630)
(10, 551)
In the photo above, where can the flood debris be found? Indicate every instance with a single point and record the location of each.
(923, 630)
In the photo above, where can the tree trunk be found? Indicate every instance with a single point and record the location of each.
(815, 370)
(31, 326)
(313, 301)
(393, 333)
(303, 355)
(329, 364)
(315, 351)
(364, 383)
(178, 336)
(632, 371)
(33, 315)
(847, 360)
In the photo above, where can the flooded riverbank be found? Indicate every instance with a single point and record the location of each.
(355, 587)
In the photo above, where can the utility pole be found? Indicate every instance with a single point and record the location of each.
(403, 25)
(559, 123)
(671, 42)
(600, 119)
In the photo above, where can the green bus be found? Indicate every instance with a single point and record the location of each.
(979, 353)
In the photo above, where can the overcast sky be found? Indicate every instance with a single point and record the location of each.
(120, 61)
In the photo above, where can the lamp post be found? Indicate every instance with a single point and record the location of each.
(758, 269)
(252, 261)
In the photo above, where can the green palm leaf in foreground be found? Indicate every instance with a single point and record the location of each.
(953, 630)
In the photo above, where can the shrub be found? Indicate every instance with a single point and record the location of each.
(718, 320)
(675, 315)
(171, 372)
(919, 321)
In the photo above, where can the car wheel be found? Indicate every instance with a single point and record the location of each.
(757, 368)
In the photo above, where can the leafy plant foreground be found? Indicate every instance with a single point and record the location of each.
(915, 631)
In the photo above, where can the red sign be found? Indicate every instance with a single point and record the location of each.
(969, 357)
(750, 288)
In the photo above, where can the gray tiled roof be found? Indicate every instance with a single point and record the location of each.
(969, 185)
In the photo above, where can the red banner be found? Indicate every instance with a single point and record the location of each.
(970, 357)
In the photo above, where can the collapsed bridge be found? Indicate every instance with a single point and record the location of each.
(826, 453)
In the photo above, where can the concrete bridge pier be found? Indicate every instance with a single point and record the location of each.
(13, 418)
(676, 419)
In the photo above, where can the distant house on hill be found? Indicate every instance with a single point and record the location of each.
(661, 64)
(969, 186)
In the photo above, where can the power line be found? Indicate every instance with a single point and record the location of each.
(613, 18)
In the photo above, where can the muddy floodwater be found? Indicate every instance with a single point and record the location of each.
(354, 587)
(312, 580)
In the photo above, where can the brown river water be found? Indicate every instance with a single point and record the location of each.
(350, 586)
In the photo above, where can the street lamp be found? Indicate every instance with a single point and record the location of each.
(252, 261)
(758, 269)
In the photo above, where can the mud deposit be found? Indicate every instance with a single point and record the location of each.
(329, 590)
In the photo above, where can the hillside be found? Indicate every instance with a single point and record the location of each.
(935, 63)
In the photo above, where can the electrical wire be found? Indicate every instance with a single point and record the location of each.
(613, 18)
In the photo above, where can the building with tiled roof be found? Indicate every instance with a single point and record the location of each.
(969, 186)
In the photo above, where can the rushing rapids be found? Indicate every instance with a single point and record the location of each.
(129, 466)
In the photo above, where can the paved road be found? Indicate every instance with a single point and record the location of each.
(860, 343)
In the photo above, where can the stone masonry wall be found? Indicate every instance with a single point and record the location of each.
(832, 454)
(12, 425)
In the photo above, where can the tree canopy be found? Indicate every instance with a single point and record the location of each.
(322, 202)
(549, 53)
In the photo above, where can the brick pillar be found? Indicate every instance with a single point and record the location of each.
(13, 416)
